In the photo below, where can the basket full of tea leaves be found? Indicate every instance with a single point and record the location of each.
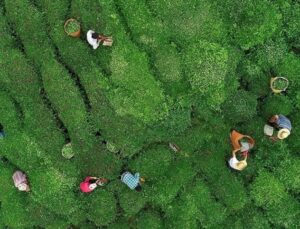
(279, 84)
(72, 27)
(67, 151)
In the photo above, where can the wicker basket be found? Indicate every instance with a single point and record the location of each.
(75, 34)
(275, 90)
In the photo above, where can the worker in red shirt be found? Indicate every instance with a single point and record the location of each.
(90, 183)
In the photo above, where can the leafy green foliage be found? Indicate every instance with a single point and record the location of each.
(277, 104)
(179, 71)
(267, 190)
(149, 220)
(254, 22)
(206, 67)
(240, 107)
(153, 163)
(101, 208)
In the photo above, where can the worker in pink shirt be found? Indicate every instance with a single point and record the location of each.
(90, 183)
(20, 181)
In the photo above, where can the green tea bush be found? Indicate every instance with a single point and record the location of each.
(254, 22)
(14, 211)
(223, 184)
(167, 186)
(167, 61)
(153, 163)
(152, 26)
(288, 174)
(240, 107)
(149, 220)
(276, 104)
(195, 202)
(206, 68)
(53, 189)
(267, 191)
(292, 23)
(271, 53)
(289, 69)
(130, 200)
(253, 78)
(178, 71)
(101, 207)
(288, 216)
(189, 21)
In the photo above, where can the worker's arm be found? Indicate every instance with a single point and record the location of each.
(96, 178)
(234, 152)
(274, 138)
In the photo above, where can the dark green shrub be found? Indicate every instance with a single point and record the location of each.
(101, 207)
(254, 22)
(289, 69)
(211, 161)
(130, 200)
(153, 162)
(166, 188)
(149, 220)
(292, 28)
(239, 107)
(253, 78)
(121, 223)
(276, 104)
(194, 203)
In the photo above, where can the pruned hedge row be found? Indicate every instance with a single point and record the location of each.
(184, 72)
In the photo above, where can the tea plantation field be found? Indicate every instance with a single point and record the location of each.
(184, 72)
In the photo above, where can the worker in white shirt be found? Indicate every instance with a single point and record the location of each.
(96, 39)
(235, 163)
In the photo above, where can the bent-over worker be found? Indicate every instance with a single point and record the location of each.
(90, 183)
(241, 141)
(132, 181)
(20, 181)
(282, 125)
(238, 164)
(95, 39)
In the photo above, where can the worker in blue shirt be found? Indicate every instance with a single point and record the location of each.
(283, 126)
(132, 181)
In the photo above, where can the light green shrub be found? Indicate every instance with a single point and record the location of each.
(254, 22)
(285, 214)
(206, 68)
(267, 191)
(53, 189)
(288, 174)
(189, 21)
